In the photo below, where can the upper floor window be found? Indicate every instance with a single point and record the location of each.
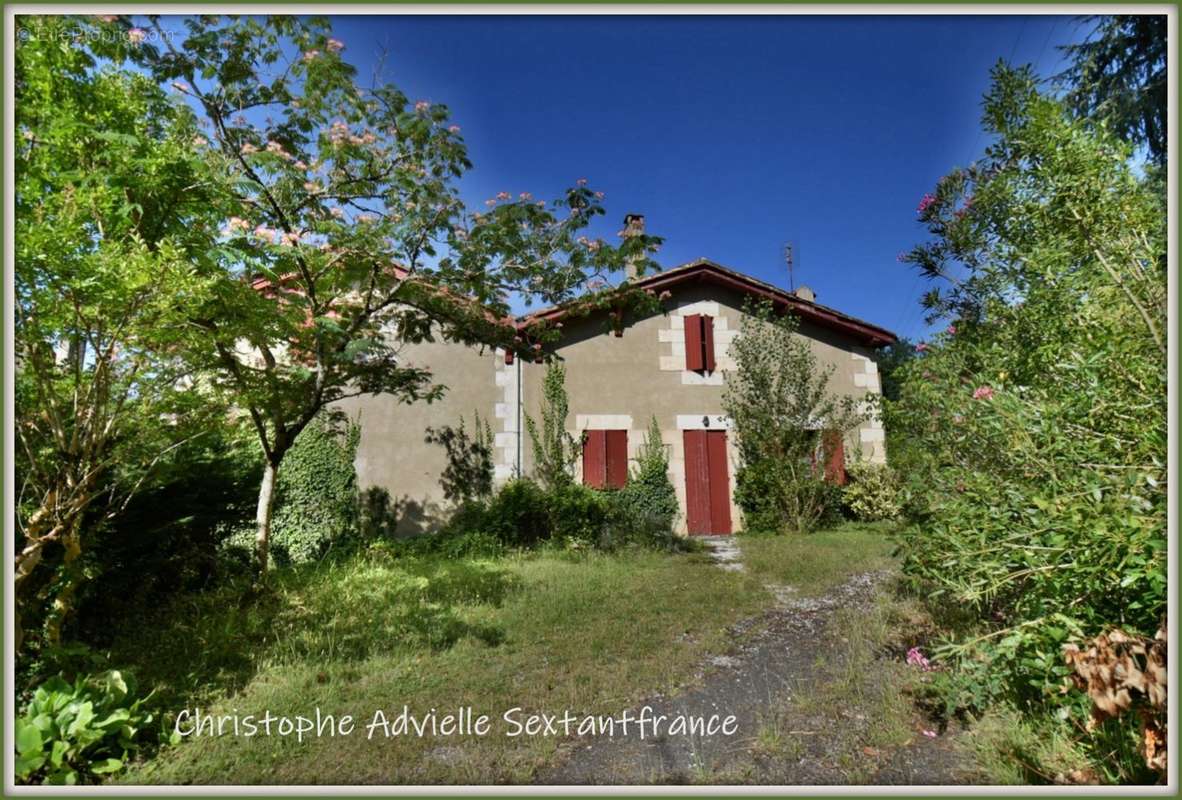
(699, 343)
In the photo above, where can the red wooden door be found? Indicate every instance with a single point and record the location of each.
(707, 484)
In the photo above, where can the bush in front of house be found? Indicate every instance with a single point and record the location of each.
(776, 398)
(872, 493)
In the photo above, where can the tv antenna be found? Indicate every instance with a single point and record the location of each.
(790, 262)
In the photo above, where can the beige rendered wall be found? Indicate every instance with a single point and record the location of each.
(393, 453)
(622, 382)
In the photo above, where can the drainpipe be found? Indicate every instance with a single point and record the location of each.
(517, 365)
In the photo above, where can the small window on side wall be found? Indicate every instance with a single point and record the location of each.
(699, 343)
(605, 459)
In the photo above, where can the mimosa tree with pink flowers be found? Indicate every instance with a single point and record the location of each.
(344, 235)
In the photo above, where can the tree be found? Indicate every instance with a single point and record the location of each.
(1037, 422)
(1118, 76)
(780, 405)
(890, 360)
(344, 234)
(110, 207)
(555, 450)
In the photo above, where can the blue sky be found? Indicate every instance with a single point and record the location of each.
(732, 135)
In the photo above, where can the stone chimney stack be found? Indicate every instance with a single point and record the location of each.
(633, 226)
(805, 293)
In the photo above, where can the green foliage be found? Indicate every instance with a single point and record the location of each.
(778, 399)
(80, 732)
(518, 514)
(646, 508)
(577, 514)
(1037, 422)
(317, 501)
(889, 360)
(873, 492)
(1118, 77)
(555, 450)
(469, 471)
(111, 207)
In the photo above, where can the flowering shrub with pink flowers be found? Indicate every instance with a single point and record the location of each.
(1033, 430)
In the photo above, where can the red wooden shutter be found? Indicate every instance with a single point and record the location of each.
(693, 343)
(834, 457)
(697, 476)
(616, 471)
(720, 490)
(594, 459)
(708, 343)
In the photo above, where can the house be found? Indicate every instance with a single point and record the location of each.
(670, 364)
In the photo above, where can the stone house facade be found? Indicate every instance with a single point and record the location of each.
(670, 365)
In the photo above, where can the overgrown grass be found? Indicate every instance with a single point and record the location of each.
(546, 631)
(815, 562)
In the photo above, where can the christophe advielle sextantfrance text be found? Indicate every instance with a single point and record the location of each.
(643, 723)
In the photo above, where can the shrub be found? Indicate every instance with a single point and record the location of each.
(1037, 422)
(518, 515)
(555, 451)
(774, 398)
(648, 501)
(872, 492)
(577, 514)
(80, 732)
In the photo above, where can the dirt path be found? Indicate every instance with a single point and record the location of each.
(773, 661)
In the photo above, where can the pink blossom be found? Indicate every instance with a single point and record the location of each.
(107, 17)
(599, 195)
(310, 55)
(365, 218)
(300, 165)
(921, 347)
(453, 128)
(952, 330)
(540, 204)
(248, 148)
(490, 202)
(180, 86)
(312, 187)
(916, 658)
(925, 203)
(335, 45)
(665, 295)
(525, 196)
(200, 141)
(581, 181)
(136, 35)
(287, 239)
(422, 106)
(929, 733)
(983, 393)
(277, 149)
(503, 196)
(336, 212)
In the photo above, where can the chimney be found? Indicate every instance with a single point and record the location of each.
(633, 226)
(805, 293)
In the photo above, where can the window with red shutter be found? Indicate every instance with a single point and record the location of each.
(616, 447)
(605, 459)
(693, 343)
(594, 459)
(699, 343)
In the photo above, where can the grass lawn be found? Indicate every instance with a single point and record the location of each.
(547, 632)
(815, 562)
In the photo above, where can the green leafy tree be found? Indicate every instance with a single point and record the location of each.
(1118, 76)
(111, 205)
(343, 235)
(555, 450)
(1037, 421)
(779, 402)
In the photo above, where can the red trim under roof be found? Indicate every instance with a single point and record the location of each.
(705, 271)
